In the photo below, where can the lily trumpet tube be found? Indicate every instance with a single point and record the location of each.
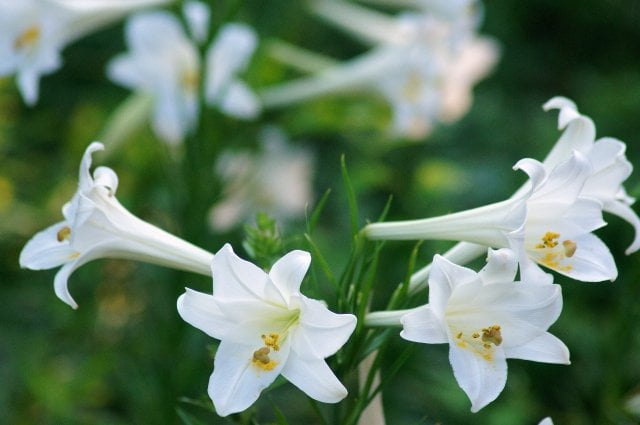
(486, 318)
(96, 226)
(266, 328)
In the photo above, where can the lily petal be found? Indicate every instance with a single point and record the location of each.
(421, 325)
(502, 266)
(624, 211)
(592, 261)
(201, 311)
(444, 277)
(481, 379)
(322, 332)
(236, 383)
(235, 278)
(545, 349)
(289, 271)
(45, 251)
(314, 377)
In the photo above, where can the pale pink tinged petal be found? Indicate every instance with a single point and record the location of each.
(625, 212)
(45, 251)
(421, 325)
(240, 101)
(579, 134)
(289, 271)
(236, 382)
(314, 378)
(235, 278)
(591, 262)
(482, 379)
(444, 277)
(502, 266)
(201, 311)
(321, 332)
(546, 348)
(227, 213)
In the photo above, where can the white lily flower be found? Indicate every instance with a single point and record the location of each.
(607, 156)
(198, 16)
(276, 180)
(546, 421)
(487, 318)
(266, 328)
(424, 65)
(228, 55)
(34, 32)
(163, 62)
(547, 223)
(609, 169)
(96, 226)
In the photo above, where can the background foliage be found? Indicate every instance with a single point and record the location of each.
(125, 356)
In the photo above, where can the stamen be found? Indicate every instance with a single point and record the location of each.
(63, 234)
(191, 80)
(271, 340)
(27, 38)
(491, 335)
(549, 240)
(569, 247)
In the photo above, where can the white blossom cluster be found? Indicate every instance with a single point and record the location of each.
(424, 62)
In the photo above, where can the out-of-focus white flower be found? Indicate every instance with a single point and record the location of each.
(96, 226)
(276, 180)
(546, 421)
(228, 55)
(198, 16)
(607, 156)
(267, 328)
(547, 223)
(163, 62)
(443, 8)
(424, 65)
(486, 318)
(34, 32)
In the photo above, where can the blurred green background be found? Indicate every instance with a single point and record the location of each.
(125, 357)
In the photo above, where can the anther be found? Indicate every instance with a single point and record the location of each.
(63, 234)
(569, 248)
(262, 355)
(492, 335)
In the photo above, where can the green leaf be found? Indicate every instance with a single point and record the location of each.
(351, 197)
(312, 221)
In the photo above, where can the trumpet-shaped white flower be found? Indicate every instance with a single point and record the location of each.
(607, 156)
(424, 65)
(276, 180)
(267, 328)
(547, 223)
(96, 225)
(609, 169)
(228, 55)
(486, 318)
(34, 32)
(163, 62)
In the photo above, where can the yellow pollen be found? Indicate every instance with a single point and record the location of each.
(261, 359)
(459, 335)
(28, 37)
(475, 335)
(63, 234)
(491, 335)
(271, 340)
(569, 247)
(191, 79)
(549, 240)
